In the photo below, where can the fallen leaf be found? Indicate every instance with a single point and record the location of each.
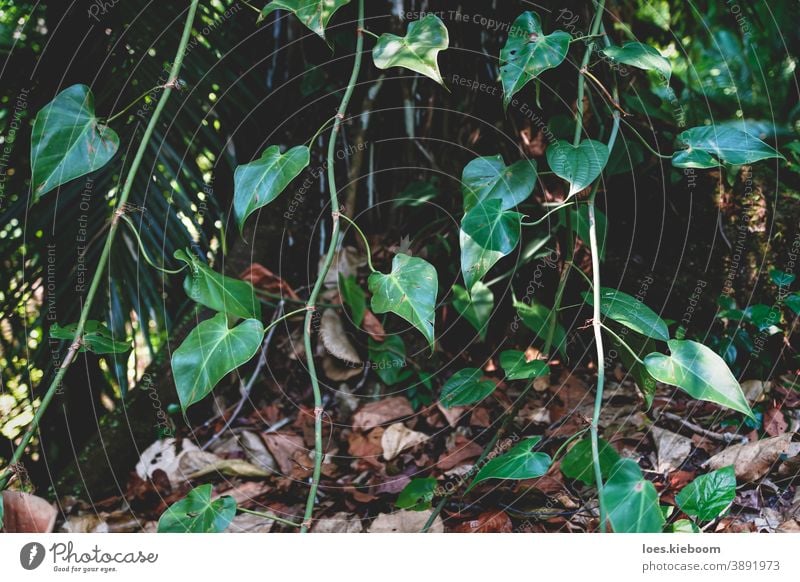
(405, 522)
(194, 464)
(87, 523)
(284, 447)
(373, 326)
(341, 522)
(463, 450)
(249, 523)
(398, 437)
(366, 447)
(453, 414)
(164, 455)
(262, 278)
(250, 445)
(26, 513)
(774, 422)
(487, 522)
(334, 338)
(381, 412)
(754, 389)
(751, 461)
(671, 448)
(346, 262)
(339, 370)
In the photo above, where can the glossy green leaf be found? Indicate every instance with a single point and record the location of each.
(631, 500)
(488, 233)
(793, 302)
(517, 367)
(519, 462)
(354, 297)
(210, 352)
(630, 312)
(417, 50)
(538, 318)
(579, 165)
(780, 278)
(476, 307)
(96, 338)
(315, 14)
(68, 140)
(699, 371)
(488, 178)
(708, 495)
(408, 291)
(218, 292)
(388, 359)
(641, 56)
(197, 513)
(417, 495)
(260, 182)
(577, 463)
(466, 387)
(684, 526)
(529, 52)
(728, 144)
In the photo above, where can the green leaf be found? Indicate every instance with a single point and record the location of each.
(260, 182)
(417, 50)
(218, 292)
(579, 218)
(488, 178)
(354, 297)
(417, 495)
(640, 345)
(476, 307)
(517, 367)
(68, 141)
(197, 513)
(579, 165)
(465, 387)
(630, 312)
(780, 278)
(315, 14)
(388, 359)
(529, 52)
(96, 338)
(631, 500)
(699, 371)
(408, 291)
(793, 302)
(709, 495)
(730, 145)
(488, 233)
(578, 464)
(537, 318)
(685, 526)
(209, 353)
(641, 56)
(520, 462)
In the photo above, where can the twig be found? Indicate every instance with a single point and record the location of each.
(719, 437)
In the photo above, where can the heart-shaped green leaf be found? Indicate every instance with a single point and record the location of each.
(96, 338)
(630, 312)
(730, 145)
(315, 14)
(520, 462)
(631, 500)
(578, 464)
(699, 371)
(529, 52)
(417, 50)
(465, 387)
(708, 495)
(579, 165)
(210, 352)
(476, 307)
(354, 297)
(538, 318)
(517, 367)
(197, 513)
(216, 291)
(488, 178)
(641, 56)
(68, 141)
(388, 359)
(258, 183)
(417, 495)
(408, 291)
(488, 233)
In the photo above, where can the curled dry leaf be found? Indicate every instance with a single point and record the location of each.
(397, 438)
(339, 370)
(334, 338)
(453, 414)
(381, 412)
(373, 326)
(367, 447)
(405, 522)
(751, 461)
(262, 278)
(26, 513)
(250, 445)
(195, 464)
(164, 455)
(487, 522)
(671, 448)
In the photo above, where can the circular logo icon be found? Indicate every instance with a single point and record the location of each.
(31, 555)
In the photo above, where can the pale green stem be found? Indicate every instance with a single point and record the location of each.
(363, 238)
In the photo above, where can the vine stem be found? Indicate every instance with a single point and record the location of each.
(323, 272)
(363, 238)
(104, 255)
